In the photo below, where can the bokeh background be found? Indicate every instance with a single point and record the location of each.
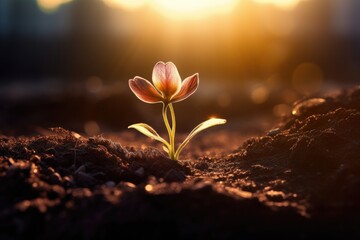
(67, 62)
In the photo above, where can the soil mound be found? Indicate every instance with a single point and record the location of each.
(299, 180)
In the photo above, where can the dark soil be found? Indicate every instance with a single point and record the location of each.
(299, 181)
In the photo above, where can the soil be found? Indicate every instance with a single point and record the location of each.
(299, 180)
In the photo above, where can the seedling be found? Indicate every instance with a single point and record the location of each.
(168, 88)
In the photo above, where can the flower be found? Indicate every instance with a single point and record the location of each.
(167, 86)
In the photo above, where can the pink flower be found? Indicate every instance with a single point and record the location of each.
(167, 86)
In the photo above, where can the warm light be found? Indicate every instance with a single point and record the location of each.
(192, 9)
(308, 78)
(260, 95)
(51, 5)
(94, 84)
(149, 188)
(224, 100)
(126, 4)
(287, 4)
(289, 96)
(281, 110)
(92, 128)
(213, 117)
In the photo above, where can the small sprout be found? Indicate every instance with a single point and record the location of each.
(168, 88)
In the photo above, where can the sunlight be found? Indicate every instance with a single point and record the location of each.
(190, 9)
(125, 4)
(49, 6)
(286, 4)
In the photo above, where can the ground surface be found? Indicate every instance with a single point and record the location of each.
(300, 180)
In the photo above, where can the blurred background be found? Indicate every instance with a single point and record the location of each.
(67, 62)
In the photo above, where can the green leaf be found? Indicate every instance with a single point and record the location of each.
(202, 126)
(166, 149)
(149, 131)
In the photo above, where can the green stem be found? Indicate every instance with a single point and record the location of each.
(173, 121)
(181, 147)
(173, 129)
(169, 129)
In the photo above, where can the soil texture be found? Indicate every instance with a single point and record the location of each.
(299, 180)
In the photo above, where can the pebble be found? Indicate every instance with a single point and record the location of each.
(68, 182)
(110, 184)
(127, 185)
(11, 161)
(273, 132)
(204, 186)
(276, 196)
(84, 179)
(55, 178)
(239, 192)
(174, 176)
(201, 165)
(35, 158)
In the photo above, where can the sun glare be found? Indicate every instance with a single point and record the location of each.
(175, 9)
(51, 5)
(286, 4)
(191, 9)
(125, 4)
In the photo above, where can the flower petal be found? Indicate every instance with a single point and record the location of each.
(166, 79)
(188, 87)
(144, 90)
